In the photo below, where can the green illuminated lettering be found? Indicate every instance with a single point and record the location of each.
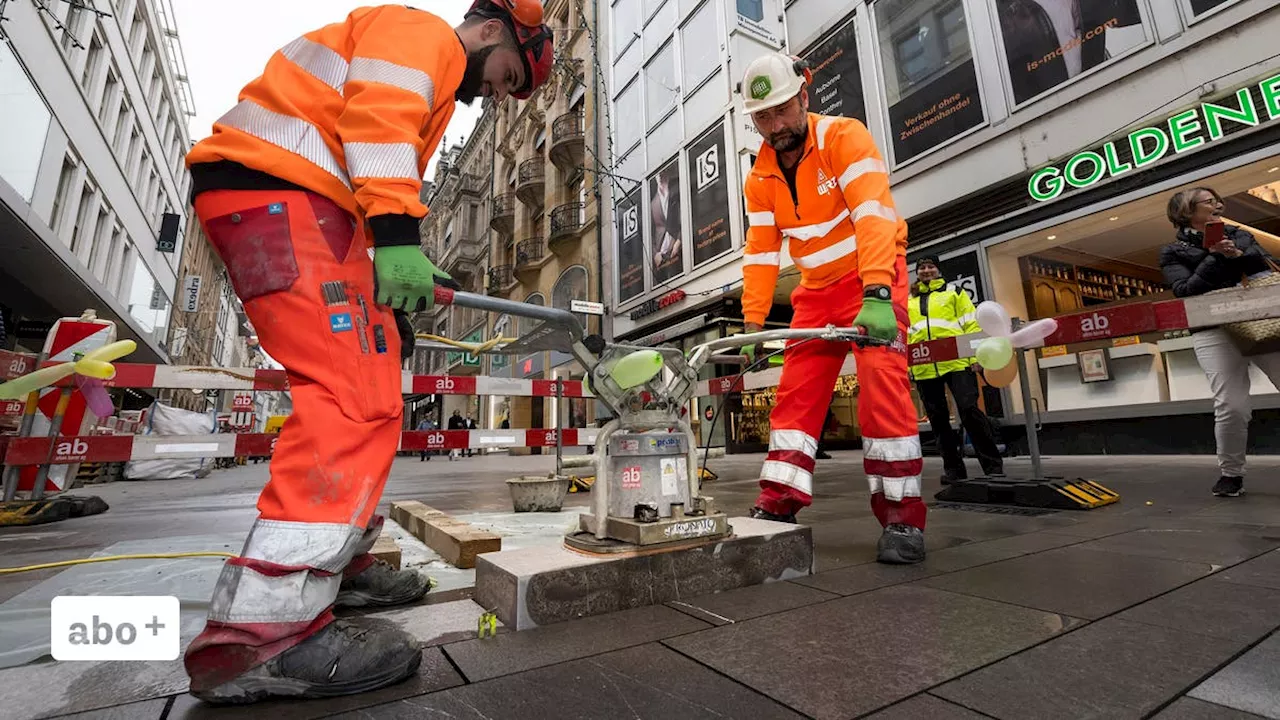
(1271, 96)
(1114, 166)
(1140, 156)
(1099, 167)
(1181, 126)
(1214, 114)
(1045, 184)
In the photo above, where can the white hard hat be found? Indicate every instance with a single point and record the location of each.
(771, 80)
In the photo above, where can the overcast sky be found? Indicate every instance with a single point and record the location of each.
(227, 43)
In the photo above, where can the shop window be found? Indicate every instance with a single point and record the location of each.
(660, 85)
(1049, 42)
(628, 120)
(26, 124)
(1197, 9)
(701, 56)
(930, 81)
(751, 9)
(626, 25)
(837, 80)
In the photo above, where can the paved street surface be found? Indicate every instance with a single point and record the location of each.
(1165, 605)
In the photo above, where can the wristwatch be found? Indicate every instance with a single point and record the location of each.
(879, 292)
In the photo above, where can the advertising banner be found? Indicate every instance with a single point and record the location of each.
(630, 248)
(1048, 42)
(666, 236)
(837, 84)
(710, 197)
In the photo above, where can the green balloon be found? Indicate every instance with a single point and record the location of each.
(994, 352)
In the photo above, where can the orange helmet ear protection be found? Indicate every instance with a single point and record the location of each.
(533, 39)
(801, 68)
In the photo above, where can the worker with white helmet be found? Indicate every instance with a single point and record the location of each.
(820, 182)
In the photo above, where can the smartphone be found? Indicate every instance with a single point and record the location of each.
(1214, 233)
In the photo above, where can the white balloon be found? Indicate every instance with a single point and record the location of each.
(1033, 334)
(993, 319)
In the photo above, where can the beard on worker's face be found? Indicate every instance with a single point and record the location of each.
(788, 140)
(473, 77)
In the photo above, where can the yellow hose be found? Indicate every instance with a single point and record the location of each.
(110, 558)
(473, 348)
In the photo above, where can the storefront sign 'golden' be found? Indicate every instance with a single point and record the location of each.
(1180, 133)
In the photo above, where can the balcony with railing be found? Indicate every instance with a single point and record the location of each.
(502, 213)
(469, 184)
(502, 279)
(530, 182)
(566, 226)
(530, 253)
(568, 141)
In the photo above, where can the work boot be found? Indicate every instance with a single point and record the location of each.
(348, 656)
(953, 476)
(1228, 486)
(380, 585)
(760, 514)
(822, 455)
(900, 545)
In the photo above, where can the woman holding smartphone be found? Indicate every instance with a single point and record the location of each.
(1208, 255)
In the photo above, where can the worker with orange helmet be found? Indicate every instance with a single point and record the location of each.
(308, 189)
(820, 182)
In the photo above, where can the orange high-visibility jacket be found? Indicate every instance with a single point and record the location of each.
(351, 111)
(841, 219)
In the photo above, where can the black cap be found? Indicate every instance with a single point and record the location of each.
(929, 259)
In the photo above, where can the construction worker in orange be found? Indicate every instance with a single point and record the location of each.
(308, 189)
(820, 182)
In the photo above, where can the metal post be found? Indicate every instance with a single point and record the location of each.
(1033, 444)
(559, 430)
(55, 427)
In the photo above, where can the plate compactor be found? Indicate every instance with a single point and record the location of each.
(647, 492)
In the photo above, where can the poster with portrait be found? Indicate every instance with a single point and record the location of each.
(666, 235)
(1048, 42)
(630, 247)
(837, 83)
(708, 172)
(930, 81)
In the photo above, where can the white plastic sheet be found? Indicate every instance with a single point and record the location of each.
(167, 420)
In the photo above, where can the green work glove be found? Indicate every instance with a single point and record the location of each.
(406, 279)
(878, 319)
(750, 351)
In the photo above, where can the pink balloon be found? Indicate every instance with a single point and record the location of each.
(96, 396)
(1033, 334)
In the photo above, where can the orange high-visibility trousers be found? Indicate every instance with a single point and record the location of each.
(302, 267)
(886, 414)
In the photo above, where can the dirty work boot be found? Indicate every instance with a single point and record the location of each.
(900, 545)
(760, 514)
(346, 657)
(1228, 486)
(953, 476)
(380, 585)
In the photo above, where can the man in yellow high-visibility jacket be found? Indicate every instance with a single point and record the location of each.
(937, 311)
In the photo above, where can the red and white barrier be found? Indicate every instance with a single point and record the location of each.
(124, 448)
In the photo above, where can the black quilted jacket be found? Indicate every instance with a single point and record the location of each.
(1191, 270)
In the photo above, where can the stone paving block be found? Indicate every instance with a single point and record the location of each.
(438, 623)
(539, 586)
(925, 706)
(1111, 668)
(749, 602)
(1191, 709)
(386, 550)
(1251, 683)
(457, 542)
(1208, 545)
(413, 516)
(1263, 571)
(1083, 583)
(50, 689)
(858, 654)
(1244, 613)
(867, 576)
(649, 682)
(149, 710)
(481, 659)
(434, 674)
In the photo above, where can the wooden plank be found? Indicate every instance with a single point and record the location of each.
(457, 542)
(386, 549)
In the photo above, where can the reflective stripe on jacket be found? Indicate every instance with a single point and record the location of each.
(937, 311)
(841, 218)
(351, 111)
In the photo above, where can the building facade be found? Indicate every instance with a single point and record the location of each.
(1033, 143)
(515, 216)
(92, 183)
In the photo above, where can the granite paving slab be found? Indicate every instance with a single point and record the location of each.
(1209, 545)
(642, 683)
(1186, 708)
(1108, 669)
(749, 602)
(925, 706)
(1244, 613)
(481, 659)
(1072, 581)
(1263, 571)
(858, 654)
(1251, 683)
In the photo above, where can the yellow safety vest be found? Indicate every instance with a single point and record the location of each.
(938, 312)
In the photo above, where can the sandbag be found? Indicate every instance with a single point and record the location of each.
(168, 420)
